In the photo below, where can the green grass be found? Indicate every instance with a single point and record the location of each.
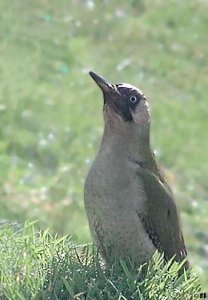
(51, 111)
(35, 265)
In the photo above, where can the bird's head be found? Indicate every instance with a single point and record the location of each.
(125, 108)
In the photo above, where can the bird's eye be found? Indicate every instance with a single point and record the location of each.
(133, 99)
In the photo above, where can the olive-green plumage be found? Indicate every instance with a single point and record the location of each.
(130, 208)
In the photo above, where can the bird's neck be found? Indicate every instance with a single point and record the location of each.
(132, 145)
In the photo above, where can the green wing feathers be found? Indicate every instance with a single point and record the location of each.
(162, 220)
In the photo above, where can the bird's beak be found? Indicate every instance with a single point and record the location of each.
(103, 84)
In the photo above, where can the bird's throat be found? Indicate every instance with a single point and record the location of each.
(126, 146)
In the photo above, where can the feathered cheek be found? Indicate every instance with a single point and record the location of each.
(141, 115)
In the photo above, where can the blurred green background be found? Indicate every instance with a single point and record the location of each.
(51, 110)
